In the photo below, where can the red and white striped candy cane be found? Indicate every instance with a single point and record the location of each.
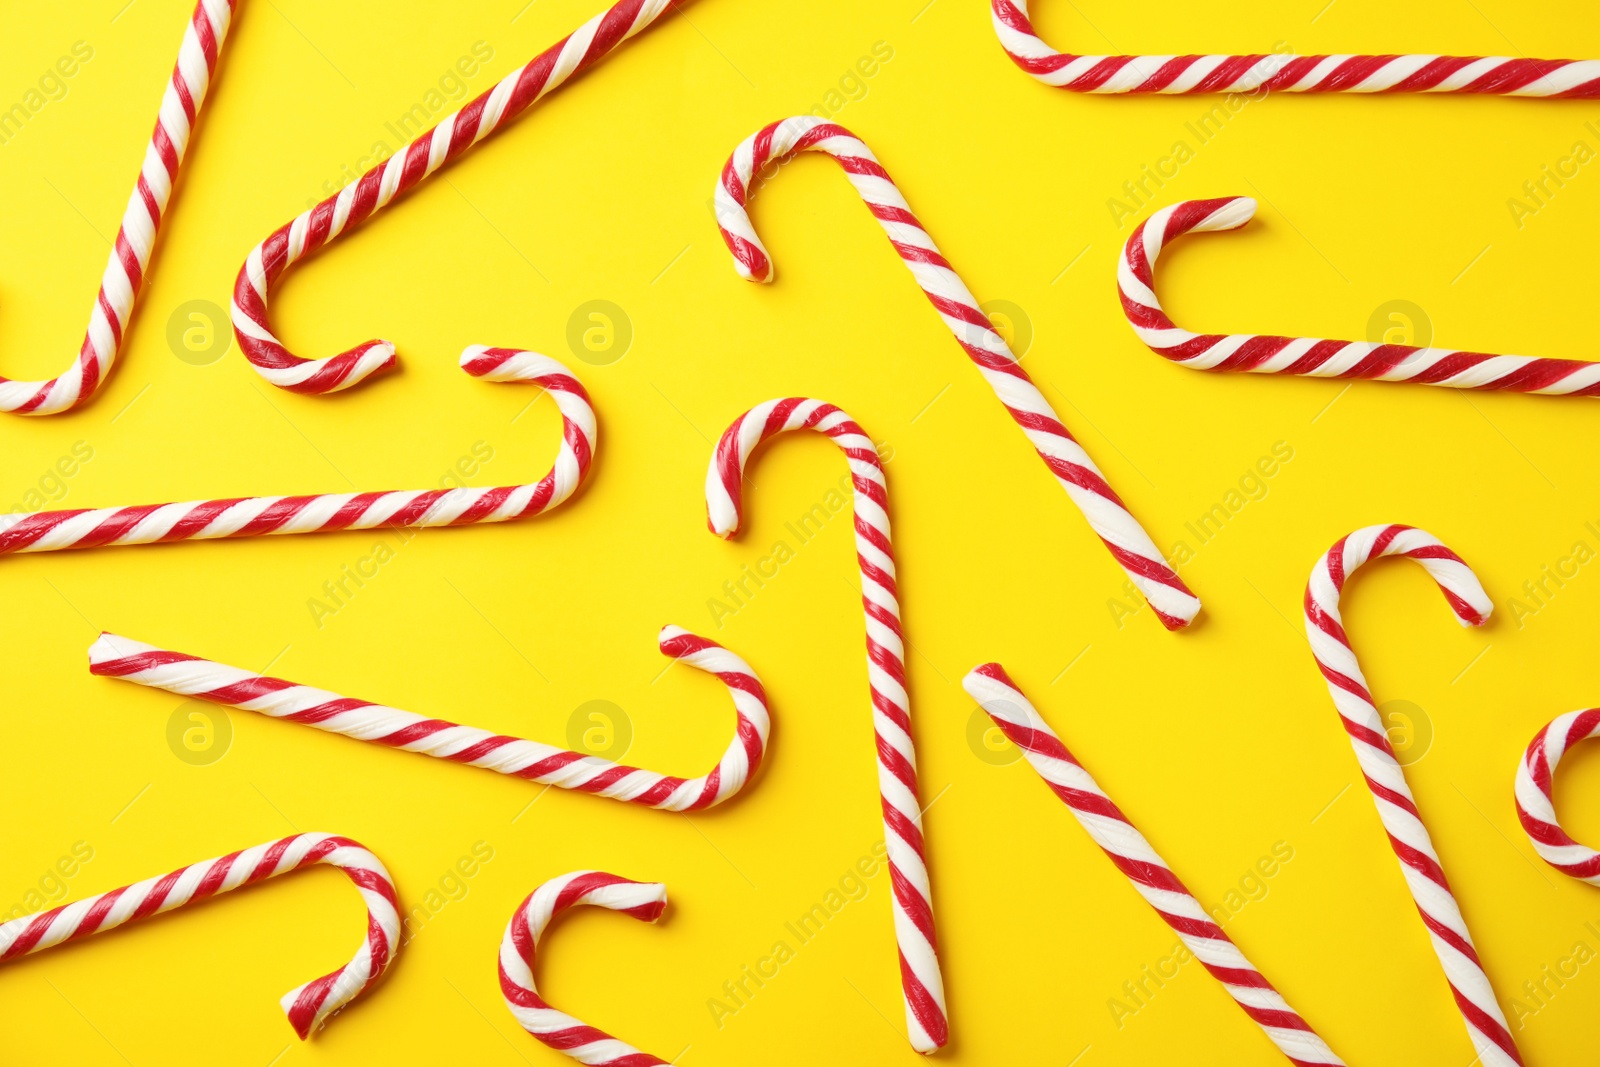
(1305, 355)
(309, 1006)
(520, 946)
(380, 186)
(1016, 716)
(1146, 567)
(1536, 805)
(1287, 73)
(136, 237)
(190, 676)
(53, 531)
(1384, 777)
(920, 979)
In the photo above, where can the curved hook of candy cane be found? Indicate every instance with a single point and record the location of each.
(308, 1006)
(1285, 72)
(175, 672)
(136, 237)
(920, 977)
(199, 520)
(1536, 806)
(1312, 357)
(1144, 564)
(339, 214)
(1408, 836)
(519, 949)
(1133, 855)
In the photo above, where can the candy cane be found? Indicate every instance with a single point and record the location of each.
(381, 185)
(520, 946)
(1287, 73)
(1396, 807)
(309, 1006)
(53, 531)
(190, 676)
(1305, 355)
(136, 237)
(1077, 473)
(1016, 716)
(920, 980)
(1536, 805)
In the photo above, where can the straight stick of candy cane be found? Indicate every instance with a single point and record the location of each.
(1020, 721)
(190, 676)
(52, 531)
(1287, 73)
(381, 185)
(136, 237)
(519, 949)
(920, 980)
(1397, 809)
(309, 1006)
(1305, 355)
(1146, 567)
(1536, 806)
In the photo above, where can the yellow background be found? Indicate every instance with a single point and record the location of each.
(1219, 743)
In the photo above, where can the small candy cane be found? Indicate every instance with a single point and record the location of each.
(53, 531)
(520, 946)
(381, 185)
(1536, 805)
(1309, 356)
(136, 238)
(920, 979)
(309, 1006)
(1384, 777)
(1016, 716)
(133, 661)
(1146, 567)
(1492, 75)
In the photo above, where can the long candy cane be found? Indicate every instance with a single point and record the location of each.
(309, 1006)
(1536, 805)
(118, 657)
(1306, 355)
(52, 531)
(1016, 716)
(1491, 75)
(519, 950)
(920, 979)
(1396, 807)
(1146, 567)
(356, 203)
(136, 237)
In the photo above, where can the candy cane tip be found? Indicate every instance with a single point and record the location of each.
(108, 646)
(1235, 212)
